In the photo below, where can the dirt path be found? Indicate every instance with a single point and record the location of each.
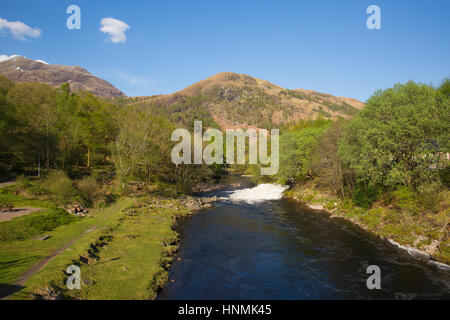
(16, 212)
(18, 284)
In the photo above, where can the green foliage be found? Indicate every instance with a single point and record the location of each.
(444, 88)
(394, 139)
(445, 176)
(24, 227)
(327, 166)
(429, 194)
(296, 147)
(344, 107)
(143, 146)
(6, 204)
(406, 199)
(62, 187)
(23, 182)
(364, 195)
(89, 189)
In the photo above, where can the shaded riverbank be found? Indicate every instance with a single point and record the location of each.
(421, 238)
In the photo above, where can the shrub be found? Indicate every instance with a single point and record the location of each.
(429, 194)
(445, 176)
(27, 226)
(38, 190)
(23, 182)
(6, 204)
(89, 189)
(364, 196)
(61, 187)
(405, 199)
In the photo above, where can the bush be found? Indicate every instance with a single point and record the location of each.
(6, 204)
(405, 199)
(61, 187)
(364, 196)
(444, 174)
(89, 189)
(38, 190)
(429, 194)
(23, 182)
(24, 227)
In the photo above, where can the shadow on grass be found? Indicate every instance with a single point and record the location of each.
(8, 289)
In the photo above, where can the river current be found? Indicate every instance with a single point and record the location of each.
(253, 244)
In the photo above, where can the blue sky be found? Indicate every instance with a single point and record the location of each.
(319, 45)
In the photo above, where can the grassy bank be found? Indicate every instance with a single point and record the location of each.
(124, 250)
(399, 218)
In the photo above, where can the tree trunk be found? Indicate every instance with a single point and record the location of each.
(177, 179)
(89, 157)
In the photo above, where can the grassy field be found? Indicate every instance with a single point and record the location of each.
(123, 250)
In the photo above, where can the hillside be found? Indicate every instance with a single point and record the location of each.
(20, 69)
(234, 100)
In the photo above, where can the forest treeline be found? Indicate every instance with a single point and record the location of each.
(399, 141)
(77, 134)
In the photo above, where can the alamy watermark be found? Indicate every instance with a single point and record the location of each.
(374, 20)
(74, 280)
(235, 140)
(374, 281)
(74, 20)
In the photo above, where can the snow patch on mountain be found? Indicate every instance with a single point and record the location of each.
(4, 57)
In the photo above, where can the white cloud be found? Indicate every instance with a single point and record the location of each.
(133, 80)
(115, 28)
(19, 30)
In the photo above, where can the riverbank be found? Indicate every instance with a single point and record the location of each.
(422, 235)
(125, 255)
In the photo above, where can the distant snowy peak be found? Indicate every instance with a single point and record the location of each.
(20, 69)
(4, 57)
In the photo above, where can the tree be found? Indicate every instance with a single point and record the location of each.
(326, 165)
(296, 147)
(444, 88)
(395, 139)
(36, 110)
(142, 146)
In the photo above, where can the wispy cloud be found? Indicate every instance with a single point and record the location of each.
(19, 30)
(133, 80)
(115, 29)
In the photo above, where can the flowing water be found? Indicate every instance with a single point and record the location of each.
(255, 245)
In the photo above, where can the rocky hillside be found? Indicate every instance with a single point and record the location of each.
(20, 69)
(234, 100)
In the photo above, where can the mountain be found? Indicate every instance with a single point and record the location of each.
(233, 100)
(21, 69)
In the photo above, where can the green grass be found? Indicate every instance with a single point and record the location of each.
(18, 256)
(126, 257)
(24, 227)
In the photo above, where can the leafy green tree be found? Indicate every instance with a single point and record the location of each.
(296, 148)
(326, 164)
(36, 111)
(141, 149)
(396, 139)
(445, 87)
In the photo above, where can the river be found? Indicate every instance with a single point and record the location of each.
(255, 245)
